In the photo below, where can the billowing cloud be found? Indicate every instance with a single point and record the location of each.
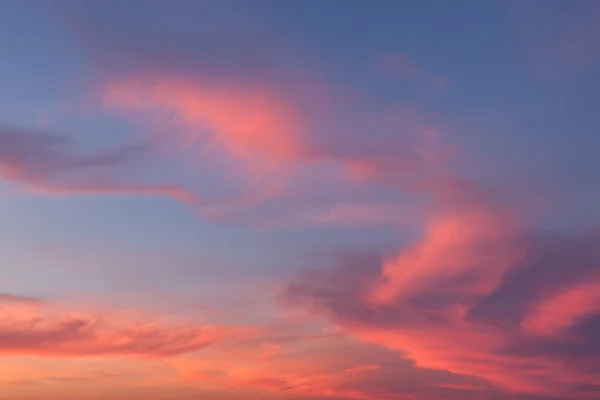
(473, 297)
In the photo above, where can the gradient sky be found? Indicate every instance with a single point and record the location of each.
(299, 200)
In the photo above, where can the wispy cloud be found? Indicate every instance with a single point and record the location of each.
(46, 163)
(29, 328)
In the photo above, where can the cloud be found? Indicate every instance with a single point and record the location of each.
(480, 294)
(290, 158)
(282, 148)
(45, 163)
(363, 368)
(243, 102)
(264, 122)
(239, 87)
(243, 119)
(54, 331)
(36, 155)
(326, 366)
(7, 298)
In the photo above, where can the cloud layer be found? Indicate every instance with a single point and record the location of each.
(329, 157)
(479, 295)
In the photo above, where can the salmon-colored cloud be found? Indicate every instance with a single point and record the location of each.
(49, 330)
(564, 309)
(473, 297)
(455, 244)
(272, 125)
(243, 119)
(281, 148)
(328, 367)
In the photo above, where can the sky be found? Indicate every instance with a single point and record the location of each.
(299, 200)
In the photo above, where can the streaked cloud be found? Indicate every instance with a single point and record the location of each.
(45, 163)
(54, 331)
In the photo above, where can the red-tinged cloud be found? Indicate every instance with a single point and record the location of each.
(233, 95)
(52, 331)
(473, 297)
(266, 124)
(564, 309)
(42, 163)
(326, 366)
(240, 89)
(285, 153)
(243, 119)
(456, 243)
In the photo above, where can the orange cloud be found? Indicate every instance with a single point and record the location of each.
(47, 330)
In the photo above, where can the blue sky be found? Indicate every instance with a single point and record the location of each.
(380, 178)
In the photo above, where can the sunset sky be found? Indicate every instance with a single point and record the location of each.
(299, 200)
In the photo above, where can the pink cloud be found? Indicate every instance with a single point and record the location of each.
(363, 368)
(54, 331)
(478, 295)
(243, 119)
(273, 140)
(326, 367)
(557, 313)
(457, 242)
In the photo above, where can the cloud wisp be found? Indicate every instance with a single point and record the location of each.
(45, 162)
(43, 329)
